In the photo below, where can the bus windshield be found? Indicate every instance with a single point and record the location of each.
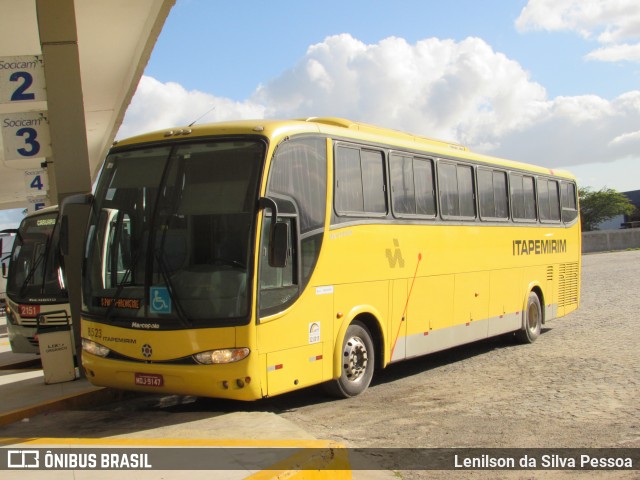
(169, 236)
(35, 261)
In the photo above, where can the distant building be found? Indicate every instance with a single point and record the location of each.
(624, 221)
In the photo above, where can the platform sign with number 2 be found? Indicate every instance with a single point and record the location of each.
(22, 79)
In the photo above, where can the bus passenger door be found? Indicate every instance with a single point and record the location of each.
(295, 331)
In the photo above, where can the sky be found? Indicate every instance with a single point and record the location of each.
(550, 82)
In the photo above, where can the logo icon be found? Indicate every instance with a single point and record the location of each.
(23, 459)
(147, 350)
(395, 257)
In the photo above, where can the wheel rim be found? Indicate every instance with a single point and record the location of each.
(533, 317)
(356, 359)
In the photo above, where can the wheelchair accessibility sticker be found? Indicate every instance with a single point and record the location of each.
(160, 300)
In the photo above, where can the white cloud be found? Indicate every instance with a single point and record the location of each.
(616, 53)
(579, 130)
(462, 91)
(455, 90)
(158, 105)
(610, 22)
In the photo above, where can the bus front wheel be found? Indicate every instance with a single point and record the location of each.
(532, 322)
(358, 360)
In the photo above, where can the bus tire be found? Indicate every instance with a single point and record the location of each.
(532, 322)
(358, 362)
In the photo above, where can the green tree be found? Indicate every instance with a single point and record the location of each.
(601, 205)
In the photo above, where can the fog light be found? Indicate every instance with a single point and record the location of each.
(11, 317)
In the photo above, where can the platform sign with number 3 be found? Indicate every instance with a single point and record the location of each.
(25, 135)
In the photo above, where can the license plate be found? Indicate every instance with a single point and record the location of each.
(29, 311)
(148, 380)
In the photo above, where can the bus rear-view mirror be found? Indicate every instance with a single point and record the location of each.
(279, 245)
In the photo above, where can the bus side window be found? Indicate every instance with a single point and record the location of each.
(569, 203)
(457, 195)
(412, 186)
(492, 191)
(359, 182)
(548, 200)
(523, 199)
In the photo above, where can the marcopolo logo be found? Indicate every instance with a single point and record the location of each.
(147, 351)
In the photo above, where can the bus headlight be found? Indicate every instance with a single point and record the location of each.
(11, 318)
(95, 348)
(226, 355)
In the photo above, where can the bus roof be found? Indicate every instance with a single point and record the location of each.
(43, 211)
(339, 127)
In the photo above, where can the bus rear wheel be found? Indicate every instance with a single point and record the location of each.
(358, 360)
(532, 322)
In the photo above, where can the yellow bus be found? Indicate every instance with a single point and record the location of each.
(247, 259)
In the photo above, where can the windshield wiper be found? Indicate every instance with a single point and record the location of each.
(158, 254)
(125, 278)
(27, 280)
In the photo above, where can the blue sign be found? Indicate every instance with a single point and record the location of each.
(160, 300)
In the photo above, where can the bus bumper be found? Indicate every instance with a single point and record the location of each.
(233, 381)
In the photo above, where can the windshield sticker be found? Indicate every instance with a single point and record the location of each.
(160, 300)
(326, 290)
(129, 303)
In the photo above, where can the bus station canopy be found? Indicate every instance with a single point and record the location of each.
(114, 40)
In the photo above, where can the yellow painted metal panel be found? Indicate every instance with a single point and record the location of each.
(294, 368)
(507, 292)
(471, 297)
(431, 304)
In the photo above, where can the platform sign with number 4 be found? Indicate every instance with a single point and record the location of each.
(22, 79)
(36, 182)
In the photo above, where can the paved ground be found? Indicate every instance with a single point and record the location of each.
(577, 386)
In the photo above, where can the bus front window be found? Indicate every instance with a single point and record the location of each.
(35, 261)
(169, 238)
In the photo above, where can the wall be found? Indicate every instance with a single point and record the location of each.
(606, 240)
